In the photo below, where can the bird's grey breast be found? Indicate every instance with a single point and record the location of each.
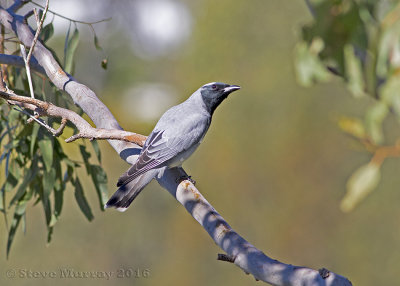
(184, 126)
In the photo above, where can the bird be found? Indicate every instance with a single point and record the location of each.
(175, 137)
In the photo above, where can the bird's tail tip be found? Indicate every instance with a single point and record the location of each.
(120, 209)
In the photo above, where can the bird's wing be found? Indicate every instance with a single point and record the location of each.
(162, 146)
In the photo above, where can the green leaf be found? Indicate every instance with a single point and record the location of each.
(68, 174)
(352, 126)
(47, 32)
(46, 145)
(99, 178)
(81, 200)
(35, 131)
(58, 201)
(19, 212)
(11, 182)
(70, 51)
(28, 177)
(60, 187)
(373, 121)
(354, 74)
(48, 214)
(360, 184)
(49, 179)
(2, 200)
(49, 233)
(390, 93)
(96, 149)
(46, 207)
(85, 156)
(309, 68)
(104, 63)
(96, 43)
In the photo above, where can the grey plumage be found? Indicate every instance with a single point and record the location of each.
(175, 137)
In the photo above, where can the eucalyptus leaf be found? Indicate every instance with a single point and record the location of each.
(70, 51)
(49, 178)
(361, 183)
(19, 212)
(81, 200)
(390, 92)
(85, 156)
(99, 178)
(96, 43)
(309, 68)
(354, 73)
(29, 175)
(47, 32)
(34, 135)
(46, 147)
(96, 149)
(373, 121)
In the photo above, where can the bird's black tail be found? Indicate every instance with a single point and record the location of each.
(126, 193)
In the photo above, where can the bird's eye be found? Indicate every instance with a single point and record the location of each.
(214, 87)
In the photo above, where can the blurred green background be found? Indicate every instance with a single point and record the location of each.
(274, 163)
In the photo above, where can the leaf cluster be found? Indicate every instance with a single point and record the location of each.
(36, 168)
(359, 41)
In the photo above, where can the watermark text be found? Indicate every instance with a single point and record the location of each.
(71, 273)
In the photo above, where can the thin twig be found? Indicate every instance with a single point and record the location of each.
(28, 70)
(42, 108)
(39, 28)
(69, 19)
(35, 118)
(27, 15)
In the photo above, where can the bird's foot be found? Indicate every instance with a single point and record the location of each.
(185, 178)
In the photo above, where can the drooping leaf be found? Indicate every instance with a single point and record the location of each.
(70, 51)
(49, 179)
(353, 71)
(390, 93)
(46, 144)
(361, 183)
(46, 207)
(58, 202)
(81, 200)
(30, 174)
(104, 63)
(19, 212)
(352, 126)
(309, 68)
(85, 156)
(96, 149)
(66, 42)
(47, 32)
(96, 43)
(373, 121)
(34, 135)
(99, 178)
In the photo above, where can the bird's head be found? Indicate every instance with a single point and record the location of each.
(214, 93)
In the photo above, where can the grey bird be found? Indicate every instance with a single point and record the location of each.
(175, 137)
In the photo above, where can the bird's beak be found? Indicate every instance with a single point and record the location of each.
(231, 88)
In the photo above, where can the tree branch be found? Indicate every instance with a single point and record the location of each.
(39, 28)
(247, 257)
(17, 5)
(85, 129)
(19, 62)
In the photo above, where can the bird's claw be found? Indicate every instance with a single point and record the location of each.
(185, 178)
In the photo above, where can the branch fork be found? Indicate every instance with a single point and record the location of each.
(85, 130)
